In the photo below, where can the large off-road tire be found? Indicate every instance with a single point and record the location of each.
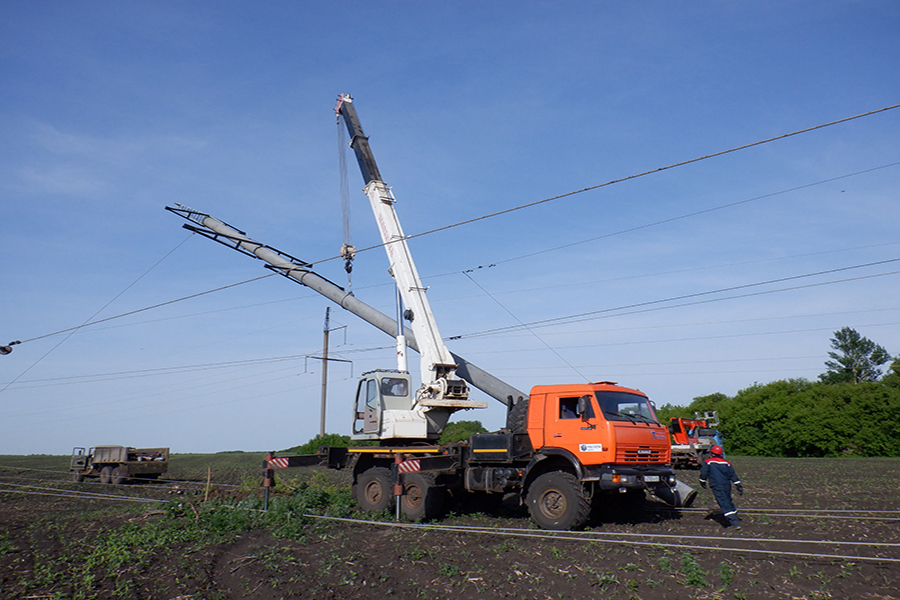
(557, 501)
(119, 476)
(517, 419)
(106, 475)
(421, 499)
(77, 476)
(374, 491)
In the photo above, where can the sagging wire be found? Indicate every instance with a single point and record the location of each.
(539, 338)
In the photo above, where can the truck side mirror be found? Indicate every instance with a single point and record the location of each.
(584, 407)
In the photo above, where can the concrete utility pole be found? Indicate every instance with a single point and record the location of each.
(301, 272)
(324, 373)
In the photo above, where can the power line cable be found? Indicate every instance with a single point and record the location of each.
(621, 180)
(593, 314)
(490, 215)
(510, 313)
(146, 308)
(693, 214)
(630, 177)
(72, 330)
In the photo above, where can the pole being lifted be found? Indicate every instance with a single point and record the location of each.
(300, 272)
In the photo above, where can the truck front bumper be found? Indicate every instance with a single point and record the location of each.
(624, 478)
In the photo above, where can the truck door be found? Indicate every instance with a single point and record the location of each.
(372, 420)
(79, 459)
(571, 423)
(368, 407)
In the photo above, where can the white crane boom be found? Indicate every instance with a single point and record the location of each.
(440, 384)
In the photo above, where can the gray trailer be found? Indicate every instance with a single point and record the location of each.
(118, 464)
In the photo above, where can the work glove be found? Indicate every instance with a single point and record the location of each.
(703, 484)
(740, 489)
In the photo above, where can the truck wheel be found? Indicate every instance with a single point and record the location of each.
(374, 490)
(105, 474)
(421, 499)
(557, 501)
(77, 476)
(119, 476)
(517, 419)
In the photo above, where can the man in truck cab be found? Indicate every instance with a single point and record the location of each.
(719, 475)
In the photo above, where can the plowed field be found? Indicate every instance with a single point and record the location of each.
(792, 518)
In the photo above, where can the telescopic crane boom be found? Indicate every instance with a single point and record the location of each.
(441, 386)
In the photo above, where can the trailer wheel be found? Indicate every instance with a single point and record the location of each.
(105, 474)
(77, 476)
(373, 490)
(557, 501)
(119, 476)
(421, 499)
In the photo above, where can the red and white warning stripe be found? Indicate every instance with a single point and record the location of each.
(279, 463)
(408, 466)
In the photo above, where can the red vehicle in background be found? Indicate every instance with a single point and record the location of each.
(692, 438)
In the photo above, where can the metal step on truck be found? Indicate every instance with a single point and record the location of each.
(118, 464)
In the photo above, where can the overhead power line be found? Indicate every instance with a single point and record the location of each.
(609, 312)
(621, 180)
(510, 210)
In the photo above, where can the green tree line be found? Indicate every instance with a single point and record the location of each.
(851, 411)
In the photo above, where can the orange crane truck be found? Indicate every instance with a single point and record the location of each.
(565, 448)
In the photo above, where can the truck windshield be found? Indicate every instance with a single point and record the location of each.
(625, 406)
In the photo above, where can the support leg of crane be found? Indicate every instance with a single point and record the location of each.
(398, 484)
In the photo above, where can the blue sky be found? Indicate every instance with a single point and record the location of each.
(111, 111)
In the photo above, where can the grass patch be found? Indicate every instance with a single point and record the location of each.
(693, 573)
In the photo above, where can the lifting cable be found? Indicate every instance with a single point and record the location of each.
(348, 251)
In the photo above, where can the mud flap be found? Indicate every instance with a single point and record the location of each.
(681, 496)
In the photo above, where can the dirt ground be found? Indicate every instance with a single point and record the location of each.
(341, 560)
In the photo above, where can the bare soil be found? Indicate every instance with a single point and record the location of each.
(342, 560)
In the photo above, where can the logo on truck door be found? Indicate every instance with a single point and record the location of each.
(590, 447)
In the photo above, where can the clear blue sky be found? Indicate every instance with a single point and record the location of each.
(110, 111)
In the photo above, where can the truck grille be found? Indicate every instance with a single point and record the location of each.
(638, 454)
